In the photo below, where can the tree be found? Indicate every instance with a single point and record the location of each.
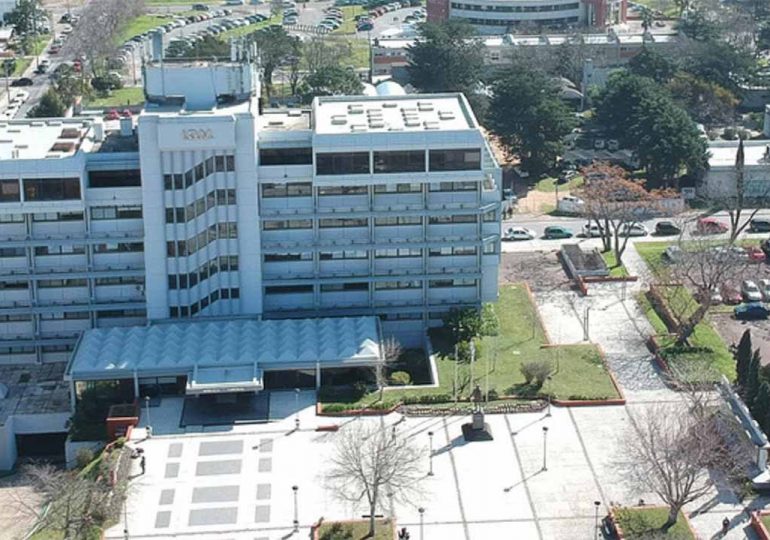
(530, 118)
(652, 64)
(698, 25)
(761, 409)
(753, 382)
(331, 81)
(616, 204)
(318, 53)
(274, 46)
(391, 352)
(26, 16)
(706, 102)
(742, 356)
(725, 64)
(673, 453)
(368, 463)
(464, 324)
(445, 58)
(208, 47)
(50, 106)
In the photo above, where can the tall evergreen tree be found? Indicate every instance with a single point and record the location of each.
(752, 381)
(761, 409)
(743, 359)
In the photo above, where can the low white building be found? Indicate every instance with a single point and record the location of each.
(720, 180)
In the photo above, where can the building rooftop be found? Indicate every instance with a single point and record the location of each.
(230, 346)
(723, 153)
(284, 120)
(33, 389)
(377, 114)
(40, 139)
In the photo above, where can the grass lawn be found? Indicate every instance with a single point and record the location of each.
(22, 63)
(349, 19)
(130, 95)
(766, 521)
(639, 523)
(142, 24)
(612, 264)
(248, 29)
(549, 184)
(578, 369)
(355, 530)
(708, 365)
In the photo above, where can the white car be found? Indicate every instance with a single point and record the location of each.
(750, 291)
(634, 229)
(570, 205)
(519, 233)
(764, 288)
(591, 230)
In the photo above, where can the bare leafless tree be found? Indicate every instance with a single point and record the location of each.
(674, 452)
(391, 351)
(369, 463)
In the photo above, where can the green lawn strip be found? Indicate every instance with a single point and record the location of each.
(94, 533)
(143, 23)
(355, 530)
(640, 523)
(765, 521)
(549, 184)
(652, 253)
(349, 19)
(22, 63)
(129, 95)
(248, 29)
(579, 370)
(611, 262)
(706, 348)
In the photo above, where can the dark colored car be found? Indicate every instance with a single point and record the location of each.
(752, 311)
(666, 228)
(24, 81)
(200, 7)
(759, 225)
(556, 231)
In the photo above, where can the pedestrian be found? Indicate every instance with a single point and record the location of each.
(142, 463)
(725, 526)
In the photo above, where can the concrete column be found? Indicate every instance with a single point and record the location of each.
(136, 387)
(317, 375)
(73, 397)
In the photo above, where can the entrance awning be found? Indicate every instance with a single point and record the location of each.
(214, 380)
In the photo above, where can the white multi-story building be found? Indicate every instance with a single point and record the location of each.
(360, 206)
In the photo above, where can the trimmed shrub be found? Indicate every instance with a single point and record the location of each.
(536, 371)
(400, 378)
(83, 457)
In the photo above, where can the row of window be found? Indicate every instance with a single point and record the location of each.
(118, 247)
(382, 285)
(115, 179)
(225, 263)
(50, 189)
(305, 189)
(212, 165)
(74, 249)
(516, 8)
(446, 251)
(514, 22)
(215, 296)
(183, 248)
(332, 223)
(73, 282)
(335, 163)
(116, 212)
(217, 197)
(40, 217)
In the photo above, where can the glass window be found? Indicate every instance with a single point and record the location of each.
(273, 225)
(455, 160)
(398, 188)
(282, 257)
(336, 287)
(342, 190)
(329, 223)
(51, 189)
(342, 163)
(340, 255)
(9, 191)
(110, 179)
(454, 186)
(289, 289)
(399, 161)
(294, 189)
(442, 220)
(401, 252)
(398, 220)
(286, 156)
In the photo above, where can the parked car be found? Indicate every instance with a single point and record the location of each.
(634, 229)
(112, 115)
(570, 205)
(758, 225)
(750, 291)
(755, 254)
(200, 7)
(754, 310)
(23, 81)
(714, 296)
(557, 231)
(764, 288)
(673, 254)
(666, 228)
(519, 233)
(709, 225)
(591, 230)
(731, 295)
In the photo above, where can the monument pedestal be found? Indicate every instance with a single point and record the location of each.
(477, 429)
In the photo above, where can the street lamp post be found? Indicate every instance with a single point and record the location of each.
(596, 519)
(296, 511)
(548, 395)
(545, 435)
(296, 408)
(430, 453)
(149, 422)
(421, 510)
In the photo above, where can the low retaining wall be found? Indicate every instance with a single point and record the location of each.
(619, 530)
(71, 449)
(758, 526)
(315, 528)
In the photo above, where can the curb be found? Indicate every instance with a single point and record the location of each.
(317, 526)
(619, 531)
(758, 526)
(596, 402)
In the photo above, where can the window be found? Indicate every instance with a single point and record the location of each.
(11, 218)
(342, 255)
(12, 284)
(342, 190)
(454, 186)
(12, 252)
(283, 257)
(61, 250)
(113, 179)
(448, 251)
(57, 216)
(394, 253)
(440, 283)
(118, 247)
(117, 313)
(287, 224)
(389, 285)
(9, 191)
(54, 283)
(289, 289)
(399, 161)
(398, 220)
(51, 189)
(342, 163)
(490, 216)
(398, 188)
(175, 215)
(116, 212)
(443, 220)
(338, 287)
(286, 156)
(329, 223)
(294, 189)
(490, 248)
(455, 160)
(120, 280)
